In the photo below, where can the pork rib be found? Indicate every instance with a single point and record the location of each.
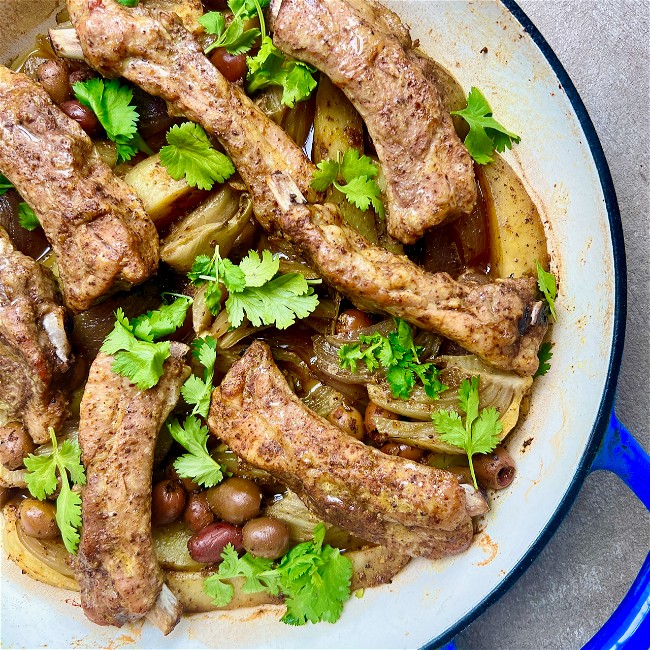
(116, 566)
(34, 350)
(103, 238)
(154, 51)
(366, 51)
(409, 507)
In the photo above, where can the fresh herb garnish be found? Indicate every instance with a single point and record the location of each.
(110, 100)
(314, 579)
(544, 355)
(5, 185)
(234, 38)
(190, 155)
(41, 481)
(255, 289)
(196, 391)
(131, 342)
(27, 217)
(399, 356)
(197, 465)
(480, 432)
(354, 176)
(270, 67)
(129, 3)
(485, 135)
(548, 286)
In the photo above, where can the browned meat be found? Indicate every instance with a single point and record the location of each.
(492, 321)
(116, 567)
(366, 51)
(103, 239)
(501, 321)
(34, 349)
(153, 49)
(409, 507)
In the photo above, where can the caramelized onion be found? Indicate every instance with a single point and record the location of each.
(31, 243)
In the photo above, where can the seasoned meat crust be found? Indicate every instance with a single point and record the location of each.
(116, 566)
(153, 50)
(103, 238)
(367, 52)
(406, 506)
(34, 348)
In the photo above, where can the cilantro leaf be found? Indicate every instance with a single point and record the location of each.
(41, 481)
(233, 37)
(131, 342)
(544, 355)
(399, 356)
(5, 184)
(314, 579)
(479, 434)
(197, 465)
(110, 100)
(27, 217)
(190, 155)
(354, 176)
(197, 391)
(257, 272)
(548, 286)
(485, 135)
(270, 67)
(129, 3)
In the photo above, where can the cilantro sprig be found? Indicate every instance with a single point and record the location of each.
(256, 290)
(129, 3)
(314, 579)
(354, 176)
(27, 217)
(41, 479)
(110, 100)
(197, 391)
(479, 434)
(485, 135)
(189, 154)
(548, 286)
(270, 67)
(131, 342)
(544, 355)
(233, 37)
(399, 356)
(5, 184)
(197, 464)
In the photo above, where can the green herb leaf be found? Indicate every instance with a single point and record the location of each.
(354, 176)
(399, 356)
(544, 355)
(41, 481)
(485, 135)
(162, 322)
(315, 579)
(189, 154)
(110, 100)
(129, 3)
(27, 217)
(5, 185)
(270, 67)
(198, 391)
(548, 286)
(479, 434)
(197, 465)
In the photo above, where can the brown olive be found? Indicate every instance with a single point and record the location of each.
(53, 76)
(167, 502)
(235, 500)
(207, 545)
(403, 451)
(352, 320)
(15, 444)
(495, 470)
(266, 537)
(372, 412)
(189, 485)
(348, 419)
(197, 513)
(231, 66)
(38, 519)
(87, 119)
(215, 5)
(82, 73)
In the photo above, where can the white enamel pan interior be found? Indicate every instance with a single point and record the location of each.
(483, 44)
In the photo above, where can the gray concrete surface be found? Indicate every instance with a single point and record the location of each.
(580, 577)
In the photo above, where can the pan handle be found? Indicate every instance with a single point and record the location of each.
(629, 626)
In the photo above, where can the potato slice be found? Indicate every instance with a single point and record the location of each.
(517, 235)
(170, 547)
